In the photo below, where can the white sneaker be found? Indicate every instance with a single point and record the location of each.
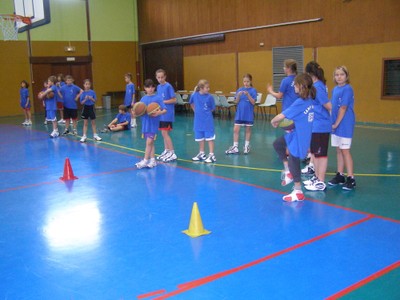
(96, 137)
(286, 178)
(317, 185)
(232, 150)
(200, 156)
(54, 134)
(170, 156)
(29, 123)
(45, 122)
(75, 132)
(152, 163)
(294, 196)
(141, 164)
(161, 156)
(62, 121)
(83, 139)
(246, 149)
(308, 170)
(133, 125)
(210, 158)
(25, 123)
(310, 181)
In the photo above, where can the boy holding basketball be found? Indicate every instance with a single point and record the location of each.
(167, 93)
(150, 124)
(129, 99)
(49, 97)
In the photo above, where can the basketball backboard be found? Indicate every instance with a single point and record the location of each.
(37, 10)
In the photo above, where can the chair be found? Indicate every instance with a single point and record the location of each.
(225, 104)
(269, 102)
(258, 101)
(180, 103)
(218, 106)
(142, 94)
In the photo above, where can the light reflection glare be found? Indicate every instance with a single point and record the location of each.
(73, 227)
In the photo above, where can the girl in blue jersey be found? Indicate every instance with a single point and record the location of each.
(167, 93)
(298, 140)
(88, 99)
(129, 99)
(343, 119)
(25, 102)
(321, 130)
(203, 105)
(286, 89)
(245, 98)
(150, 124)
(49, 96)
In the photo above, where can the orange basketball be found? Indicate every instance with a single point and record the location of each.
(40, 95)
(152, 108)
(50, 95)
(139, 109)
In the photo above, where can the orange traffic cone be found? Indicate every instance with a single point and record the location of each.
(196, 225)
(68, 173)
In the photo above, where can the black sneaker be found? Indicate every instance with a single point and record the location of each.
(350, 184)
(338, 179)
(66, 131)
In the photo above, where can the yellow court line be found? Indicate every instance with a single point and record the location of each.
(243, 167)
(377, 127)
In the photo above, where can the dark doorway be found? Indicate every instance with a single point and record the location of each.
(41, 71)
(168, 58)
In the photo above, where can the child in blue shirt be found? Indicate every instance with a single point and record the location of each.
(88, 99)
(245, 98)
(343, 120)
(60, 103)
(150, 124)
(25, 102)
(203, 105)
(70, 94)
(286, 89)
(298, 140)
(167, 93)
(122, 120)
(129, 99)
(49, 96)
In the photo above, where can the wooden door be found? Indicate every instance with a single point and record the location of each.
(168, 58)
(79, 71)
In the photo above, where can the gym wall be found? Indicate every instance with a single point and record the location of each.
(114, 36)
(355, 33)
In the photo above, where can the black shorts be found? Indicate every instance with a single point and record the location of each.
(165, 126)
(319, 144)
(70, 113)
(88, 112)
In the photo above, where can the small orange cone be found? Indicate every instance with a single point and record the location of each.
(196, 225)
(68, 173)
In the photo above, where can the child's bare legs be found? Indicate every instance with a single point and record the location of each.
(28, 115)
(167, 140)
(149, 152)
(94, 127)
(201, 146)
(115, 128)
(236, 131)
(85, 126)
(210, 146)
(248, 133)
(74, 124)
(344, 159)
(320, 166)
(61, 114)
(133, 118)
(55, 126)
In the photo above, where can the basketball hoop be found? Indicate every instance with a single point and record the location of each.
(9, 26)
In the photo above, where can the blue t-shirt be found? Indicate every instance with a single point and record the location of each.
(151, 124)
(245, 109)
(204, 105)
(69, 93)
(51, 103)
(123, 118)
(322, 118)
(59, 86)
(166, 92)
(89, 102)
(302, 113)
(129, 92)
(343, 96)
(24, 95)
(289, 94)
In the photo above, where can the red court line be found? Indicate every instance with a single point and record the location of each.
(364, 281)
(198, 282)
(23, 170)
(151, 294)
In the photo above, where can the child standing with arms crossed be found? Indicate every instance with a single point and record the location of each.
(25, 102)
(343, 119)
(167, 93)
(130, 97)
(286, 90)
(88, 98)
(203, 105)
(298, 140)
(49, 96)
(60, 103)
(321, 130)
(70, 93)
(245, 98)
(150, 125)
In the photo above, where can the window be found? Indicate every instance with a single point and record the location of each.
(391, 78)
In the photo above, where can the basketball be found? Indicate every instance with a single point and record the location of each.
(286, 124)
(152, 108)
(40, 95)
(139, 109)
(50, 95)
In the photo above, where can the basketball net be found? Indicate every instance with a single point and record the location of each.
(9, 26)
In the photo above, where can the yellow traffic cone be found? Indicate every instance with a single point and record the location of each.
(196, 225)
